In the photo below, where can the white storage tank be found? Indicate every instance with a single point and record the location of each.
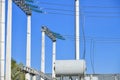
(70, 67)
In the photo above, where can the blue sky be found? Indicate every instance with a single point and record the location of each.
(100, 20)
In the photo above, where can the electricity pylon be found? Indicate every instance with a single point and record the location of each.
(52, 36)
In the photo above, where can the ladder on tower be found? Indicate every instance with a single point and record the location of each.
(32, 71)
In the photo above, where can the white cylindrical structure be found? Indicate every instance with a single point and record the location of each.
(115, 77)
(77, 40)
(91, 78)
(53, 59)
(43, 53)
(9, 41)
(28, 52)
(34, 77)
(2, 39)
(70, 67)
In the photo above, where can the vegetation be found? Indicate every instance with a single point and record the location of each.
(16, 74)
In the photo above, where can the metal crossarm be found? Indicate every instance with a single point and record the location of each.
(27, 6)
(21, 4)
(52, 35)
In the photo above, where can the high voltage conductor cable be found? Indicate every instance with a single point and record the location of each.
(103, 16)
(85, 12)
(56, 4)
(92, 58)
(36, 2)
(81, 13)
(84, 39)
(102, 39)
(58, 9)
(91, 37)
(100, 6)
(70, 5)
(33, 6)
(58, 13)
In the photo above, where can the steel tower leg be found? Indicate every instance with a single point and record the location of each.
(2, 39)
(28, 52)
(9, 41)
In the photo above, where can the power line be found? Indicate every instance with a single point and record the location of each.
(100, 12)
(71, 5)
(83, 12)
(84, 39)
(97, 39)
(92, 58)
(103, 16)
(56, 4)
(100, 6)
(37, 2)
(58, 13)
(55, 9)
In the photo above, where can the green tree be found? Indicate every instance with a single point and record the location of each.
(16, 74)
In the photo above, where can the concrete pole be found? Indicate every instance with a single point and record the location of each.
(115, 77)
(9, 41)
(53, 59)
(43, 53)
(34, 77)
(77, 47)
(2, 39)
(28, 52)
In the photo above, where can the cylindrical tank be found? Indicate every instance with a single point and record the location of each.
(70, 67)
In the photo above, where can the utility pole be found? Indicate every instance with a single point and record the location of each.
(9, 41)
(77, 36)
(52, 36)
(43, 52)
(28, 53)
(9, 34)
(2, 39)
(53, 59)
(26, 9)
